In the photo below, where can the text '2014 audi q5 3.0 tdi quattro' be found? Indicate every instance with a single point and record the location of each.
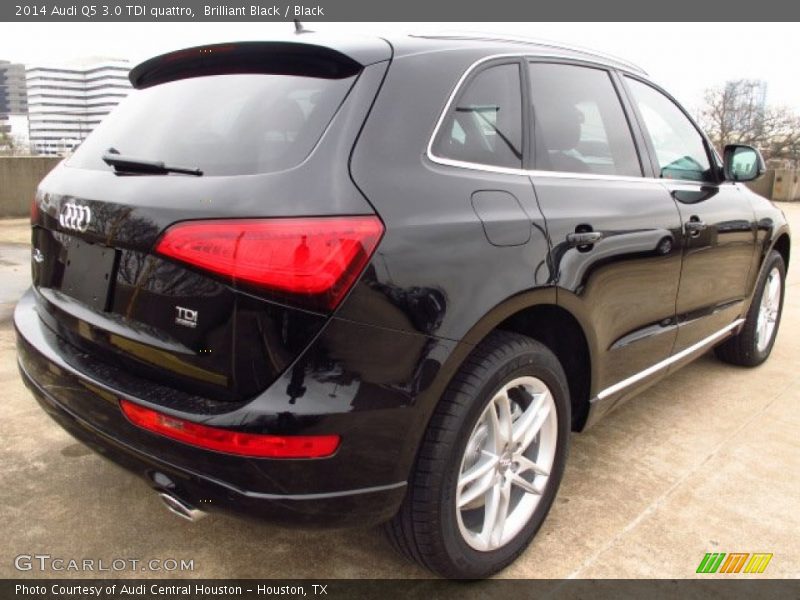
(380, 281)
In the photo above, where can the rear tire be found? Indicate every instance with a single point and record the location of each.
(753, 344)
(496, 444)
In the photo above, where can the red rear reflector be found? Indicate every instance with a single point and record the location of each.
(226, 440)
(314, 260)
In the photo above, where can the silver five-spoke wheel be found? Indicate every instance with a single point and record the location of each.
(768, 310)
(506, 464)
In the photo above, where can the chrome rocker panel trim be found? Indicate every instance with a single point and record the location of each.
(617, 387)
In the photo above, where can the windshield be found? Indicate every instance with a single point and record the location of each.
(220, 124)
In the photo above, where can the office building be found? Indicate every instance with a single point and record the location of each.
(65, 103)
(13, 96)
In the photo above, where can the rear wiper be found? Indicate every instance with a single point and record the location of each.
(479, 113)
(128, 164)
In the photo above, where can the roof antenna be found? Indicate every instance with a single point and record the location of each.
(299, 29)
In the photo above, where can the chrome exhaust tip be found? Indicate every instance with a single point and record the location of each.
(178, 507)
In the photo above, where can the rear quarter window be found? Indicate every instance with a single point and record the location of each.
(221, 124)
(485, 124)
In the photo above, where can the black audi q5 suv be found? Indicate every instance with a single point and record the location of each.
(366, 281)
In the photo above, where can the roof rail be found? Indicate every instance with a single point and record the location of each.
(518, 39)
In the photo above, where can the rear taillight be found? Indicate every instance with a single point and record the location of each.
(34, 211)
(228, 441)
(312, 261)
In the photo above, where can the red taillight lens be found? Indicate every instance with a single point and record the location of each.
(34, 211)
(226, 440)
(312, 260)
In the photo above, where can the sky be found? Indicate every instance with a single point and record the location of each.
(685, 58)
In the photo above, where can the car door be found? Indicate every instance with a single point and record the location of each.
(717, 218)
(615, 234)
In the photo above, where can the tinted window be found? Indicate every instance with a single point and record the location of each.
(223, 124)
(485, 125)
(579, 125)
(680, 151)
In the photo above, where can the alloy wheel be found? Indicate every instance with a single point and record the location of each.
(506, 464)
(768, 310)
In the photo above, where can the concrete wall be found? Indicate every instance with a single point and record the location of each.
(764, 184)
(19, 176)
(787, 185)
(782, 185)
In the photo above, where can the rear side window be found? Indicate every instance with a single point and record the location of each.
(579, 125)
(679, 147)
(485, 124)
(221, 124)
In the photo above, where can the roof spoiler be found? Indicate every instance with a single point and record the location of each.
(275, 58)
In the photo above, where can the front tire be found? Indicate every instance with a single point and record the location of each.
(753, 344)
(490, 463)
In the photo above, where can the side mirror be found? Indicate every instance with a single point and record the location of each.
(742, 163)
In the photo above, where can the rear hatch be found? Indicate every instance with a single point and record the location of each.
(160, 246)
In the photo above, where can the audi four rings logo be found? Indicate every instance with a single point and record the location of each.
(75, 217)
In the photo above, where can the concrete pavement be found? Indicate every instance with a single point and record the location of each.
(15, 269)
(706, 461)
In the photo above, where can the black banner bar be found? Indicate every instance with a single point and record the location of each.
(405, 10)
(731, 588)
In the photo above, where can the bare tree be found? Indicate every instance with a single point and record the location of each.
(737, 114)
(7, 144)
(781, 135)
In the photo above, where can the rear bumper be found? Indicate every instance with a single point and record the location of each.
(285, 490)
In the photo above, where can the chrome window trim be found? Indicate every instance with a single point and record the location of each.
(621, 385)
(460, 164)
(457, 163)
(544, 174)
(478, 36)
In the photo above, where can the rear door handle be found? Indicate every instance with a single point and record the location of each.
(584, 238)
(694, 226)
